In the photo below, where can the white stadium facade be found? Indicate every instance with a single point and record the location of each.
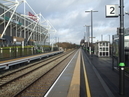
(27, 27)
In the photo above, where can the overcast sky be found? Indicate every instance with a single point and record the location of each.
(68, 17)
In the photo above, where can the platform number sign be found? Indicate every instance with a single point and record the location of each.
(112, 11)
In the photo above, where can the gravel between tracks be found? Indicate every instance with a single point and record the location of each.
(41, 86)
(14, 87)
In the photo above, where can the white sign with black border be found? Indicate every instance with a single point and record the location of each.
(112, 10)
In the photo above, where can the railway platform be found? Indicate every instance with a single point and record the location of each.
(68, 83)
(8, 63)
(85, 77)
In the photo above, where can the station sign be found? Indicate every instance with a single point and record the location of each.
(112, 10)
(18, 43)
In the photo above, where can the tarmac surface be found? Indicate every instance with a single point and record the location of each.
(104, 82)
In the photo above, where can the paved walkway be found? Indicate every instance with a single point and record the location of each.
(68, 83)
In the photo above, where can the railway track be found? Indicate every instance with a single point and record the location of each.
(27, 66)
(14, 83)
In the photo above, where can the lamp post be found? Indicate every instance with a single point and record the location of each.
(84, 39)
(15, 45)
(91, 25)
(88, 35)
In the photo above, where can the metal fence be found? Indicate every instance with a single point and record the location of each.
(17, 52)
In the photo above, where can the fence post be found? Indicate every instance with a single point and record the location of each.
(32, 50)
(10, 52)
(23, 51)
(1, 51)
(16, 51)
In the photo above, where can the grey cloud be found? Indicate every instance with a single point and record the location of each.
(69, 17)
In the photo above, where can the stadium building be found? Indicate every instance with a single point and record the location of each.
(28, 28)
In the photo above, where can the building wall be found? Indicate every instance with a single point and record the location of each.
(102, 49)
(21, 27)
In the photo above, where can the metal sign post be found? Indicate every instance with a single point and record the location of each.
(112, 11)
(121, 50)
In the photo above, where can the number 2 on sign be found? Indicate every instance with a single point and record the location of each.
(112, 11)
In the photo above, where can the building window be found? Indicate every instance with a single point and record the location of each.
(100, 49)
(106, 49)
(106, 44)
(103, 49)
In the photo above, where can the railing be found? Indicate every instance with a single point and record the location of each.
(16, 52)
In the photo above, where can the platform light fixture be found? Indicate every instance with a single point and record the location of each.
(127, 13)
(14, 39)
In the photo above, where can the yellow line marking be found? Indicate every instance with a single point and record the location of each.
(74, 90)
(86, 80)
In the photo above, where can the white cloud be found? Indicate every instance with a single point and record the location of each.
(69, 17)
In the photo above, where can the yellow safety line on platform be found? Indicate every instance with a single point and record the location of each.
(86, 79)
(74, 90)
